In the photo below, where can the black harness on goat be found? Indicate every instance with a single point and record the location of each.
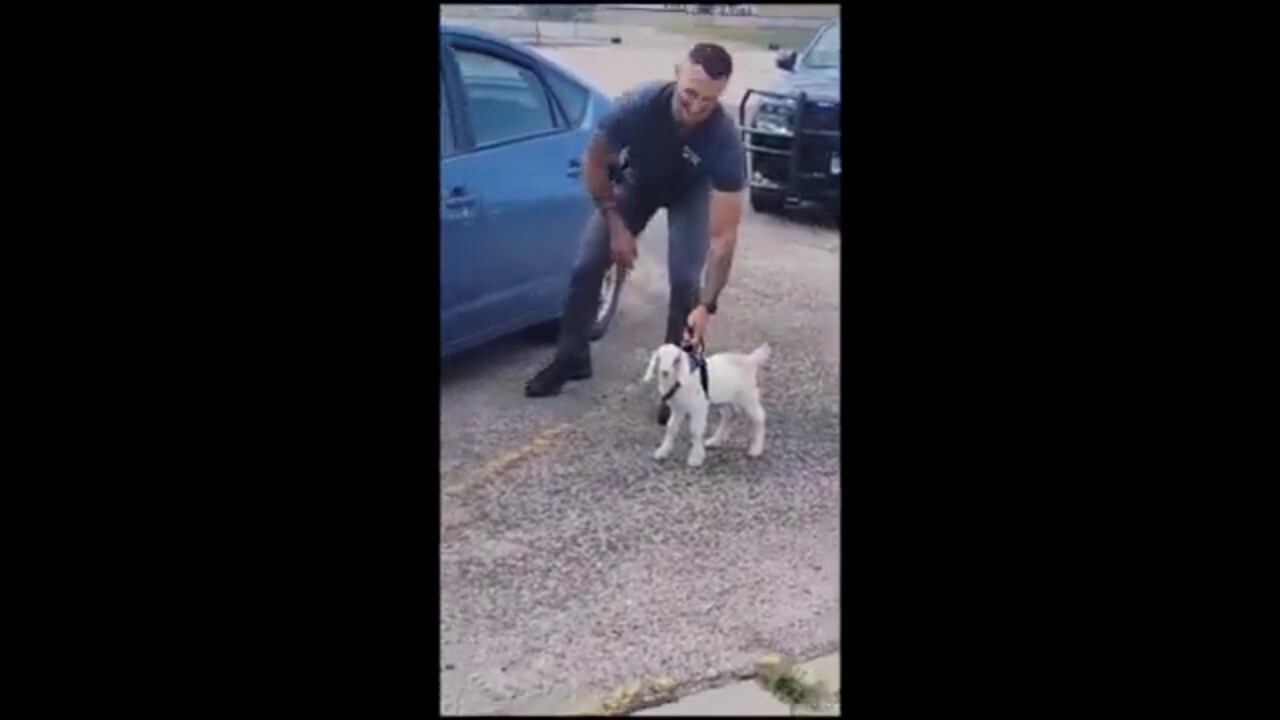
(698, 361)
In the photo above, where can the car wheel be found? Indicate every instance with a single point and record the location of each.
(764, 201)
(610, 292)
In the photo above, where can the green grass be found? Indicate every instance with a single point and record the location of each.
(787, 38)
(822, 11)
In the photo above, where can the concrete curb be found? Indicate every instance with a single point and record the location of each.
(750, 700)
(658, 696)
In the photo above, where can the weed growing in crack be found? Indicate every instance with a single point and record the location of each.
(781, 679)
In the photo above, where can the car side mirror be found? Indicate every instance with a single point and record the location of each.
(786, 60)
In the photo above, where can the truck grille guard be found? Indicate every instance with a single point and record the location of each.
(791, 184)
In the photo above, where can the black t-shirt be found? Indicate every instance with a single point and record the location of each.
(662, 164)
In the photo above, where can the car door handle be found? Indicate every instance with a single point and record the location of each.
(575, 168)
(459, 198)
(459, 205)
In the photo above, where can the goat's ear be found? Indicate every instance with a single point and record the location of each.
(653, 363)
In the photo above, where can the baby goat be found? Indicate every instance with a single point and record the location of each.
(731, 382)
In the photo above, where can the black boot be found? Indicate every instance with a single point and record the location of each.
(559, 371)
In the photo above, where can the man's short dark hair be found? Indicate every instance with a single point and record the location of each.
(715, 60)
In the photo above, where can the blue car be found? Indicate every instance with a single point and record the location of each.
(514, 126)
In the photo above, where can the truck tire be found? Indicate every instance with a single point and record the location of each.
(766, 201)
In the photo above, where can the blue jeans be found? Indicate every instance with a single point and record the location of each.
(688, 231)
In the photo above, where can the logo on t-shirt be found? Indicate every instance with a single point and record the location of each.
(691, 156)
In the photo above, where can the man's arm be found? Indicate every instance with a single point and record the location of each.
(726, 214)
(595, 172)
(728, 178)
(595, 176)
(615, 131)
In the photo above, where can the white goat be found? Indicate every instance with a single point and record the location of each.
(731, 382)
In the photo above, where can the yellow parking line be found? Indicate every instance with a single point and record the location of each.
(537, 444)
(540, 442)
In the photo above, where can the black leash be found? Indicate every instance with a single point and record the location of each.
(697, 359)
(700, 361)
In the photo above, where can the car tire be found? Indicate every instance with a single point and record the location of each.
(610, 296)
(764, 201)
(549, 331)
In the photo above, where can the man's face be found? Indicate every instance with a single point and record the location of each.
(696, 93)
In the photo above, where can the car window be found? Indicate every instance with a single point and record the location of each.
(446, 124)
(825, 53)
(571, 95)
(505, 100)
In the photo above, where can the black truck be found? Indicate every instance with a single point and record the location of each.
(792, 136)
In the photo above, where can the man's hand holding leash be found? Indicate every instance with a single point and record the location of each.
(695, 333)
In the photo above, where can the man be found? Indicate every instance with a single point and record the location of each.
(684, 153)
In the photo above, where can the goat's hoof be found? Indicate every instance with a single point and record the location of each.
(696, 460)
(713, 443)
(755, 451)
(661, 453)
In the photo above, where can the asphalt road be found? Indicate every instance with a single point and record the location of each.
(572, 564)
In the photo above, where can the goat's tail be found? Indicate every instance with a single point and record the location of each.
(760, 355)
